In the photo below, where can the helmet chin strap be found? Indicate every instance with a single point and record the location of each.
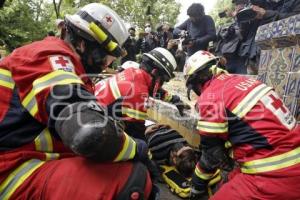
(156, 82)
(195, 87)
(92, 59)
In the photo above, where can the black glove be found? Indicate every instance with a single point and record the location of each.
(198, 195)
(180, 105)
(141, 151)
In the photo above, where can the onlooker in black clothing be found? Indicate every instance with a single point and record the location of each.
(267, 11)
(50, 33)
(200, 27)
(165, 34)
(130, 46)
(280, 9)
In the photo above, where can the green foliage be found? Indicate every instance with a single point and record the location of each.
(222, 5)
(22, 22)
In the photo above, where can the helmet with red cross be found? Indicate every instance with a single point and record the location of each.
(197, 70)
(97, 22)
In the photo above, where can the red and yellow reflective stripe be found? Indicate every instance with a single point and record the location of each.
(212, 127)
(272, 163)
(135, 114)
(114, 87)
(17, 177)
(44, 143)
(250, 100)
(205, 176)
(6, 79)
(58, 77)
(128, 150)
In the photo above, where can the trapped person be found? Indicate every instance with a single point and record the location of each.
(168, 147)
(242, 120)
(53, 134)
(200, 28)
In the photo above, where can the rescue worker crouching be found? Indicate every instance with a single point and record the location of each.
(49, 113)
(247, 120)
(126, 94)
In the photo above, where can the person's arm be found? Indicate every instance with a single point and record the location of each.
(213, 131)
(62, 101)
(182, 27)
(288, 9)
(210, 32)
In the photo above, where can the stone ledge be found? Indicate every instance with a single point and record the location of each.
(282, 33)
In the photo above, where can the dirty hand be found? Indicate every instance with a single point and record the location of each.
(181, 106)
(259, 11)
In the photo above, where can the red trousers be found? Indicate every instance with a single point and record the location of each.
(257, 187)
(76, 178)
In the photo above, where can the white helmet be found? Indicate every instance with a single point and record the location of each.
(163, 60)
(198, 61)
(99, 22)
(130, 64)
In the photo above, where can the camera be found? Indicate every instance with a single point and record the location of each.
(222, 14)
(246, 14)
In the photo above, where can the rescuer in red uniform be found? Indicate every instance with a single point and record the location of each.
(126, 94)
(53, 134)
(247, 120)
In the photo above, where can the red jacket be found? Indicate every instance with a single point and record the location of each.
(27, 77)
(253, 122)
(133, 86)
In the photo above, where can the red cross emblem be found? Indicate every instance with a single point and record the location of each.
(277, 103)
(206, 53)
(108, 19)
(61, 61)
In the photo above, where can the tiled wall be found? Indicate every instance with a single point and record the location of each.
(280, 59)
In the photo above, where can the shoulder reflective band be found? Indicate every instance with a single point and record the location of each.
(128, 150)
(43, 142)
(6, 79)
(250, 100)
(272, 163)
(58, 77)
(102, 37)
(114, 87)
(17, 177)
(212, 127)
(135, 114)
(206, 176)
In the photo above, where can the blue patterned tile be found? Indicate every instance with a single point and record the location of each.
(262, 76)
(293, 85)
(296, 60)
(284, 28)
(281, 59)
(264, 60)
(297, 25)
(278, 80)
(289, 102)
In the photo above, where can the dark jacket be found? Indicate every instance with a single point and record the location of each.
(201, 32)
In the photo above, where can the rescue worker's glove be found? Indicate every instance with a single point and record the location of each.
(180, 105)
(198, 194)
(143, 156)
(141, 150)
